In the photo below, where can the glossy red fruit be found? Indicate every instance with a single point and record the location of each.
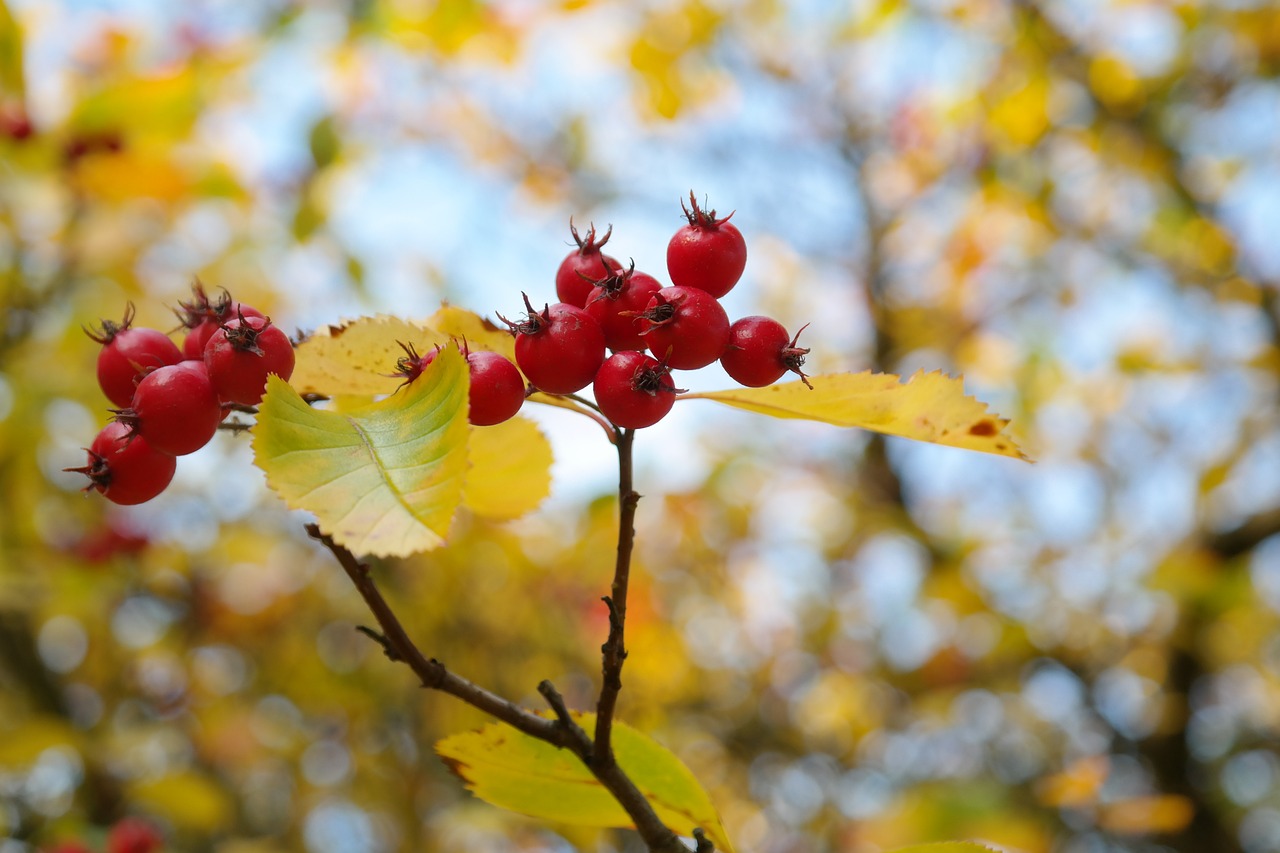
(559, 348)
(134, 835)
(242, 354)
(634, 390)
(202, 316)
(615, 302)
(497, 388)
(128, 354)
(581, 268)
(760, 351)
(175, 408)
(708, 253)
(685, 327)
(126, 471)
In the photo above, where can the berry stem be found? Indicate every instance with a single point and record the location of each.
(614, 650)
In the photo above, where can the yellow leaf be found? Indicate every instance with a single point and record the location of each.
(510, 469)
(1022, 116)
(946, 847)
(187, 800)
(11, 69)
(1076, 786)
(511, 770)
(928, 407)
(21, 746)
(356, 358)
(384, 480)
(479, 333)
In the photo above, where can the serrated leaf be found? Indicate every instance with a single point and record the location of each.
(356, 358)
(928, 407)
(479, 333)
(507, 768)
(947, 847)
(383, 480)
(359, 357)
(510, 470)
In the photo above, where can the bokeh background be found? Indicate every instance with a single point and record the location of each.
(855, 643)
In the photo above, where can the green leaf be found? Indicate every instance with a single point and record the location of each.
(928, 407)
(385, 479)
(507, 768)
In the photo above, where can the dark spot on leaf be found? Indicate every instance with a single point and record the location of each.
(336, 331)
(458, 768)
(1000, 445)
(983, 428)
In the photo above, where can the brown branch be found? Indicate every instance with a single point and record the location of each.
(561, 732)
(431, 673)
(614, 650)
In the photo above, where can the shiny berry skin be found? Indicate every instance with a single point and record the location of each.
(708, 253)
(175, 408)
(616, 300)
(685, 327)
(634, 390)
(202, 316)
(497, 388)
(760, 351)
(581, 268)
(128, 354)
(133, 835)
(126, 471)
(242, 354)
(559, 349)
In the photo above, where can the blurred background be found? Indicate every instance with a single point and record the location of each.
(855, 643)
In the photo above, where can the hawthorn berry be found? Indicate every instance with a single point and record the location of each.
(582, 268)
(615, 302)
(202, 317)
(634, 390)
(127, 355)
(134, 835)
(685, 327)
(760, 351)
(241, 355)
(125, 469)
(497, 388)
(708, 253)
(175, 408)
(559, 348)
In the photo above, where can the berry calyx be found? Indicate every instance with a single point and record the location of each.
(128, 354)
(202, 317)
(634, 390)
(580, 269)
(559, 348)
(241, 355)
(175, 408)
(708, 253)
(760, 352)
(685, 327)
(125, 469)
(497, 388)
(615, 302)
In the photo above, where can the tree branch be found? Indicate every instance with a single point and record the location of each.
(614, 650)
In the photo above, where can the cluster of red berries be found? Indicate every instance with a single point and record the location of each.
(171, 399)
(562, 348)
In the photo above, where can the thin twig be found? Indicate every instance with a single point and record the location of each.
(614, 650)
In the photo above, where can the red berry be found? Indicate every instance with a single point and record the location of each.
(760, 351)
(708, 253)
(581, 268)
(175, 408)
(202, 316)
(242, 354)
(128, 354)
(126, 470)
(615, 302)
(497, 388)
(634, 390)
(134, 835)
(559, 348)
(685, 327)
